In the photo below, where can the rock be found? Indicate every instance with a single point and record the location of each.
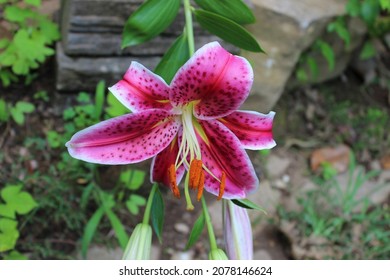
(96, 252)
(342, 53)
(184, 256)
(277, 166)
(83, 73)
(285, 29)
(266, 197)
(182, 228)
(262, 255)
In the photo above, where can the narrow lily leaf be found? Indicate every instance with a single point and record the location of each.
(236, 10)
(118, 228)
(157, 214)
(85, 195)
(90, 230)
(196, 231)
(173, 59)
(246, 203)
(227, 30)
(149, 20)
(99, 100)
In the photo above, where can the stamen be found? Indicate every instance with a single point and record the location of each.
(222, 186)
(172, 181)
(195, 173)
(200, 186)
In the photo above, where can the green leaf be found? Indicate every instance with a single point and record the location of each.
(90, 230)
(370, 10)
(132, 178)
(246, 203)
(196, 231)
(13, 13)
(35, 3)
(341, 29)
(15, 255)
(313, 66)
(99, 99)
(21, 202)
(9, 234)
(118, 228)
(173, 59)
(4, 43)
(157, 214)
(85, 195)
(17, 116)
(236, 10)
(385, 4)
(115, 108)
(327, 51)
(353, 7)
(149, 20)
(368, 51)
(138, 199)
(54, 139)
(227, 30)
(134, 202)
(83, 97)
(4, 116)
(7, 211)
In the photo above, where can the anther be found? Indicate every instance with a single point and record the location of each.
(200, 186)
(172, 181)
(222, 186)
(195, 173)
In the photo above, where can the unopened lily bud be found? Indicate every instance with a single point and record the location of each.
(238, 232)
(139, 245)
(217, 254)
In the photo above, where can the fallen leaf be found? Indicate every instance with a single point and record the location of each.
(385, 162)
(337, 157)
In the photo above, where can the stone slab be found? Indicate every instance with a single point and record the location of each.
(83, 73)
(285, 29)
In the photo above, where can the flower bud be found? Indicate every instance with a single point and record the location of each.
(237, 232)
(139, 245)
(217, 254)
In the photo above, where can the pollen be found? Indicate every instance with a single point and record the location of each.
(172, 181)
(222, 186)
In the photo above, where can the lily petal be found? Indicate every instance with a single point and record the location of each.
(126, 139)
(141, 89)
(252, 128)
(218, 81)
(162, 162)
(222, 151)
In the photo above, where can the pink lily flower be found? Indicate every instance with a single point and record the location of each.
(192, 124)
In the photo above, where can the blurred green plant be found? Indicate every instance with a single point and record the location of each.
(375, 15)
(27, 39)
(16, 112)
(18, 202)
(332, 211)
(86, 112)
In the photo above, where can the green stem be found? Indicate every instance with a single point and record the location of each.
(190, 206)
(189, 28)
(213, 242)
(149, 204)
